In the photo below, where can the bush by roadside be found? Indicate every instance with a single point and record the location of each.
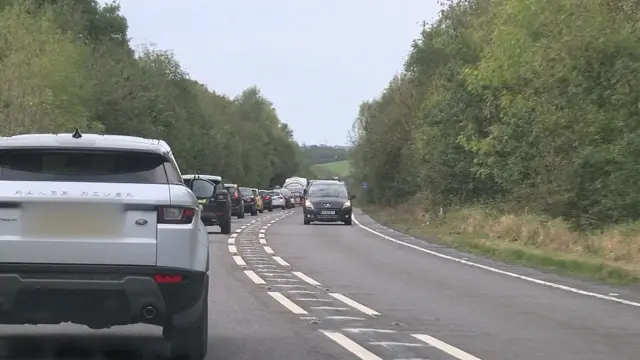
(610, 255)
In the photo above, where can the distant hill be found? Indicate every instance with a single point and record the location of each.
(322, 154)
(336, 168)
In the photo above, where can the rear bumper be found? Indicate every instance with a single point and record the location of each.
(211, 218)
(317, 215)
(249, 206)
(98, 295)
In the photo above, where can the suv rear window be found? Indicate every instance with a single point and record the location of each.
(73, 165)
(246, 191)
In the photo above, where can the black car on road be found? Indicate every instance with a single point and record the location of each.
(237, 203)
(250, 201)
(267, 201)
(216, 210)
(327, 201)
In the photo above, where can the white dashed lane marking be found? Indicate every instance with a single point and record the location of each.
(350, 345)
(269, 250)
(290, 305)
(233, 249)
(254, 277)
(443, 346)
(306, 279)
(281, 261)
(239, 261)
(354, 304)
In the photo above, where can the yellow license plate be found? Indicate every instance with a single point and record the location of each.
(73, 224)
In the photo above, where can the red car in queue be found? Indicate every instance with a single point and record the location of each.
(250, 201)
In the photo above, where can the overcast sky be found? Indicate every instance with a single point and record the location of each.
(316, 60)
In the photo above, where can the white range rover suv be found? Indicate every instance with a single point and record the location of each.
(100, 230)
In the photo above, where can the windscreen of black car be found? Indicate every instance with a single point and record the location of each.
(246, 191)
(273, 193)
(263, 193)
(322, 190)
(81, 165)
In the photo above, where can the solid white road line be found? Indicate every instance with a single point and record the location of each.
(281, 261)
(351, 345)
(287, 303)
(269, 250)
(239, 261)
(233, 249)
(305, 278)
(354, 304)
(254, 277)
(451, 350)
(498, 271)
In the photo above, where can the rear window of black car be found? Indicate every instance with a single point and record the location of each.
(246, 191)
(73, 165)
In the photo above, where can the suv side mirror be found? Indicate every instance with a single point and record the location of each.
(352, 197)
(202, 189)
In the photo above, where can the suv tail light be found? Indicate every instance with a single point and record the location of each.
(235, 194)
(175, 215)
(167, 279)
(267, 197)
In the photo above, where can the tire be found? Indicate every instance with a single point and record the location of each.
(225, 228)
(348, 222)
(254, 211)
(190, 343)
(241, 213)
(307, 222)
(270, 209)
(261, 209)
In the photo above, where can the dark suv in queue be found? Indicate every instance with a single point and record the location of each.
(237, 203)
(267, 201)
(328, 201)
(250, 202)
(216, 210)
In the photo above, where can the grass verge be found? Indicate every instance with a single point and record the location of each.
(611, 256)
(337, 168)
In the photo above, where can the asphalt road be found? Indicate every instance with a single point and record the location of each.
(282, 290)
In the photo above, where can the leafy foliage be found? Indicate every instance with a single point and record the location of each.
(67, 64)
(526, 102)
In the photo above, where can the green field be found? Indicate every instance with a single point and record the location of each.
(337, 168)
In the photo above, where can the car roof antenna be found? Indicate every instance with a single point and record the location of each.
(76, 134)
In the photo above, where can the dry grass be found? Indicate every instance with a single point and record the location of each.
(612, 255)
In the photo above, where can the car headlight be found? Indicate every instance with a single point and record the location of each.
(347, 204)
(308, 204)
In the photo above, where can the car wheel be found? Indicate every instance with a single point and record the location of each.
(225, 227)
(190, 343)
(261, 210)
(307, 222)
(254, 211)
(348, 222)
(241, 214)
